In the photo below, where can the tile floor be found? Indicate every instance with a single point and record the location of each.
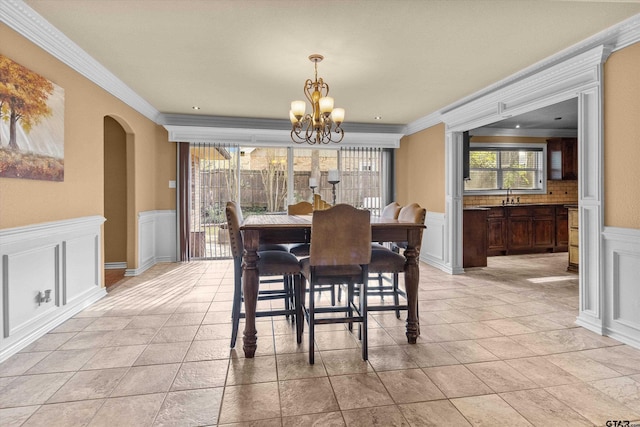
(498, 347)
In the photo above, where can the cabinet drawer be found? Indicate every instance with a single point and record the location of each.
(495, 213)
(543, 211)
(519, 211)
(574, 255)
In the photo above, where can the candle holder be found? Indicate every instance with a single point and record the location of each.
(313, 189)
(333, 190)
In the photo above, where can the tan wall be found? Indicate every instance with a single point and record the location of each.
(622, 138)
(25, 202)
(115, 192)
(420, 169)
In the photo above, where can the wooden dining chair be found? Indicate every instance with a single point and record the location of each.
(390, 261)
(270, 263)
(340, 254)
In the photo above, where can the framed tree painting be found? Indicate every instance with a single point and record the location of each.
(31, 124)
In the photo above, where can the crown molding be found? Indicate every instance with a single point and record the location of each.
(535, 133)
(273, 137)
(27, 22)
(423, 123)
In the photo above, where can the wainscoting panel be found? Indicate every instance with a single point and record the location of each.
(433, 249)
(156, 240)
(63, 257)
(622, 296)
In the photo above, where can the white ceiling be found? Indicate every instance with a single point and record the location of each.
(401, 59)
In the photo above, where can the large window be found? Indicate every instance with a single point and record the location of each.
(267, 179)
(494, 168)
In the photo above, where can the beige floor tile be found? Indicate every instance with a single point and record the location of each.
(114, 357)
(389, 416)
(132, 336)
(204, 374)
(500, 376)
(425, 355)
(294, 366)
(592, 404)
(146, 380)
(560, 341)
(49, 342)
(441, 333)
(327, 419)
(190, 408)
(288, 344)
(216, 332)
(457, 381)
(184, 319)
(89, 385)
(541, 408)
(505, 347)
(158, 354)
(489, 410)
(130, 410)
(259, 369)
(468, 351)
(249, 402)
(349, 361)
(483, 314)
(410, 385)
(15, 417)
(390, 358)
(359, 391)
(216, 317)
(63, 361)
(509, 326)
(379, 337)
(32, 389)
(580, 366)
(622, 358)
(154, 321)
(175, 334)
(538, 323)
(453, 316)
(74, 325)
(542, 372)
(20, 363)
(208, 350)
(624, 389)
(433, 414)
(307, 396)
(89, 339)
(108, 324)
(335, 340)
(476, 330)
(65, 414)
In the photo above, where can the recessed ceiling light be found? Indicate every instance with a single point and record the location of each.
(557, 118)
(517, 126)
(195, 107)
(377, 118)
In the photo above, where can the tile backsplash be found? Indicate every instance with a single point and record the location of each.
(558, 192)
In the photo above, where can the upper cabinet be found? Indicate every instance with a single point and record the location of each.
(562, 158)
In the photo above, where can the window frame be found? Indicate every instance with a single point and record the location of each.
(511, 146)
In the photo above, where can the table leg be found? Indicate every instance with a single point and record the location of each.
(250, 285)
(411, 280)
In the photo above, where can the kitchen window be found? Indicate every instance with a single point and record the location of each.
(495, 168)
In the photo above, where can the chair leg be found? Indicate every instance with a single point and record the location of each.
(237, 300)
(298, 289)
(311, 321)
(396, 298)
(287, 290)
(363, 313)
(350, 292)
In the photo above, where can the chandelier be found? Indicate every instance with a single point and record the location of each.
(322, 126)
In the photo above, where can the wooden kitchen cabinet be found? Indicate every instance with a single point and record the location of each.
(562, 229)
(474, 237)
(496, 231)
(562, 158)
(519, 228)
(574, 254)
(543, 221)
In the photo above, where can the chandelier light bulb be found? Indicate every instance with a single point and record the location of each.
(338, 115)
(326, 105)
(298, 108)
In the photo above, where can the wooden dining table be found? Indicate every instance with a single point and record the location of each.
(261, 229)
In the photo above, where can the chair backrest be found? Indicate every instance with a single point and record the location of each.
(302, 208)
(234, 221)
(413, 213)
(319, 204)
(340, 235)
(391, 210)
